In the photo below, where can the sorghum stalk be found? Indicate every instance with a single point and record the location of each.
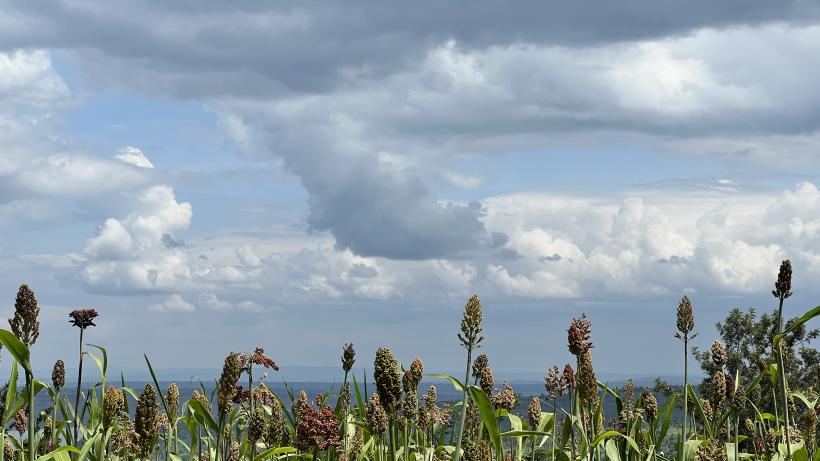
(348, 359)
(781, 292)
(58, 381)
(685, 323)
(26, 327)
(82, 319)
(471, 339)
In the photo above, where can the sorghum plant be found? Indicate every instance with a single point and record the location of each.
(82, 319)
(685, 323)
(470, 338)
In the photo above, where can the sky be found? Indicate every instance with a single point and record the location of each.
(214, 176)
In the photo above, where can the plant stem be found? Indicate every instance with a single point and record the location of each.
(685, 394)
(781, 370)
(32, 448)
(464, 403)
(77, 398)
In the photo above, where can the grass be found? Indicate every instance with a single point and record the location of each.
(251, 423)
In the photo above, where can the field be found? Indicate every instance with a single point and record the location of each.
(729, 417)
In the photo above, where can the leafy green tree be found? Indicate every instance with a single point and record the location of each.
(748, 339)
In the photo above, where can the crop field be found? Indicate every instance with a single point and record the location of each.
(734, 414)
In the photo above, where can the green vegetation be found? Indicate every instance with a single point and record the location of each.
(759, 402)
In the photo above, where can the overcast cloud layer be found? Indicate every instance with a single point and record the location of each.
(355, 172)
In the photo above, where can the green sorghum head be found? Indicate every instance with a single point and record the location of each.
(173, 398)
(686, 318)
(113, 406)
(146, 419)
(388, 380)
(258, 425)
(231, 371)
(587, 383)
(470, 335)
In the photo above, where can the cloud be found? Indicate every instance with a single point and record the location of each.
(134, 156)
(46, 179)
(132, 254)
(174, 303)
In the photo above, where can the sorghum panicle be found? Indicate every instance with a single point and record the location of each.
(258, 425)
(478, 364)
(388, 380)
(809, 421)
(578, 336)
(173, 398)
(486, 380)
(719, 354)
(470, 335)
(650, 404)
(629, 393)
(417, 370)
(9, 452)
(554, 382)
(20, 421)
(83, 318)
(348, 357)
(300, 405)
(718, 389)
(410, 402)
(234, 365)
(197, 396)
(375, 416)
(569, 377)
(712, 450)
(686, 318)
(233, 453)
(783, 286)
(317, 428)
(58, 375)
(145, 420)
(113, 406)
(506, 398)
(24, 324)
(534, 413)
(259, 358)
(587, 383)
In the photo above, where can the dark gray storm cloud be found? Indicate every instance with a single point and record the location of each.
(209, 48)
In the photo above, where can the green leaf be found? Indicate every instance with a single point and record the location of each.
(11, 393)
(200, 411)
(17, 348)
(609, 434)
(159, 390)
(611, 449)
(454, 381)
(803, 319)
(487, 412)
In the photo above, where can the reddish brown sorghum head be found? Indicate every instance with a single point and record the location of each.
(578, 335)
(259, 358)
(318, 427)
(83, 318)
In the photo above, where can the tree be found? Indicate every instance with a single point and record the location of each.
(748, 340)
